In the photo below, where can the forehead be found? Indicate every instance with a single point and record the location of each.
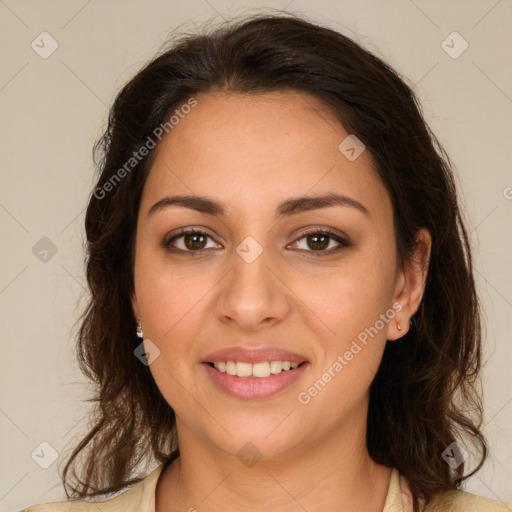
(251, 150)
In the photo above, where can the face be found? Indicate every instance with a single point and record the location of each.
(266, 273)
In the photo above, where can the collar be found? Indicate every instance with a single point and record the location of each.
(393, 501)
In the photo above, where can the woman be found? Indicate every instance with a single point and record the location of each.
(283, 311)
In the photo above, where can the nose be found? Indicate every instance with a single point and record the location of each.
(252, 296)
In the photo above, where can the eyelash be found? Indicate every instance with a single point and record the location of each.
(342, 241)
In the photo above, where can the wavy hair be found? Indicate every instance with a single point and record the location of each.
(425, 395)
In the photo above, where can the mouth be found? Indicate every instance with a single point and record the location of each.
(254, 381)
(259, 370)
(254, 372)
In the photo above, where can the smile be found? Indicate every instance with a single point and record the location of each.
(260, 370)
(254, 380)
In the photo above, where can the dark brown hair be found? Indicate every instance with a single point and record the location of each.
(427, 381)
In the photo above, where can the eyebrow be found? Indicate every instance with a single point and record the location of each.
(286, 208)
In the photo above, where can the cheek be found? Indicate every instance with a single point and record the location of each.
(172, 310)
(351, 304)
(350, 301)
(169, 296)
(350, 297)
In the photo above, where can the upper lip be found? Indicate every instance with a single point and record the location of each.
(253, 355)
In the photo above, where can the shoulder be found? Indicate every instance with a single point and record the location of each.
(129, 501)
(461, 501)
(139, 498)
(89, 506)
(76, 506)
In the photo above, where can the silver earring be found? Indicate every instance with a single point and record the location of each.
(139, 329)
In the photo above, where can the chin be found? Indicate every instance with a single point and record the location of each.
(259, 441)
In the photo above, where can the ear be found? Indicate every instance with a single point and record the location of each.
(410, 285)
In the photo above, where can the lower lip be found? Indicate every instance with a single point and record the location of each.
(255, 387)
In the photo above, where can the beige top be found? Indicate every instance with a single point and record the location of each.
(141, 498)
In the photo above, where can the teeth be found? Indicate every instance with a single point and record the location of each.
(244, 369)
(263, 369)
(276, 366)
(260, 369)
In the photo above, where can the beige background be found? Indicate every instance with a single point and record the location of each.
(53, 109)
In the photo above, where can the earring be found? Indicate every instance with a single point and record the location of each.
(139, 329)
(398, 326)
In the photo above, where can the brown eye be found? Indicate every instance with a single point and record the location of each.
(321, 242)
(189, 241)
(194, 241)
(318, 241)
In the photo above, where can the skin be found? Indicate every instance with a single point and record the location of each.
(250, 153)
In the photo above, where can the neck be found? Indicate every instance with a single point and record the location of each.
(331, 475)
